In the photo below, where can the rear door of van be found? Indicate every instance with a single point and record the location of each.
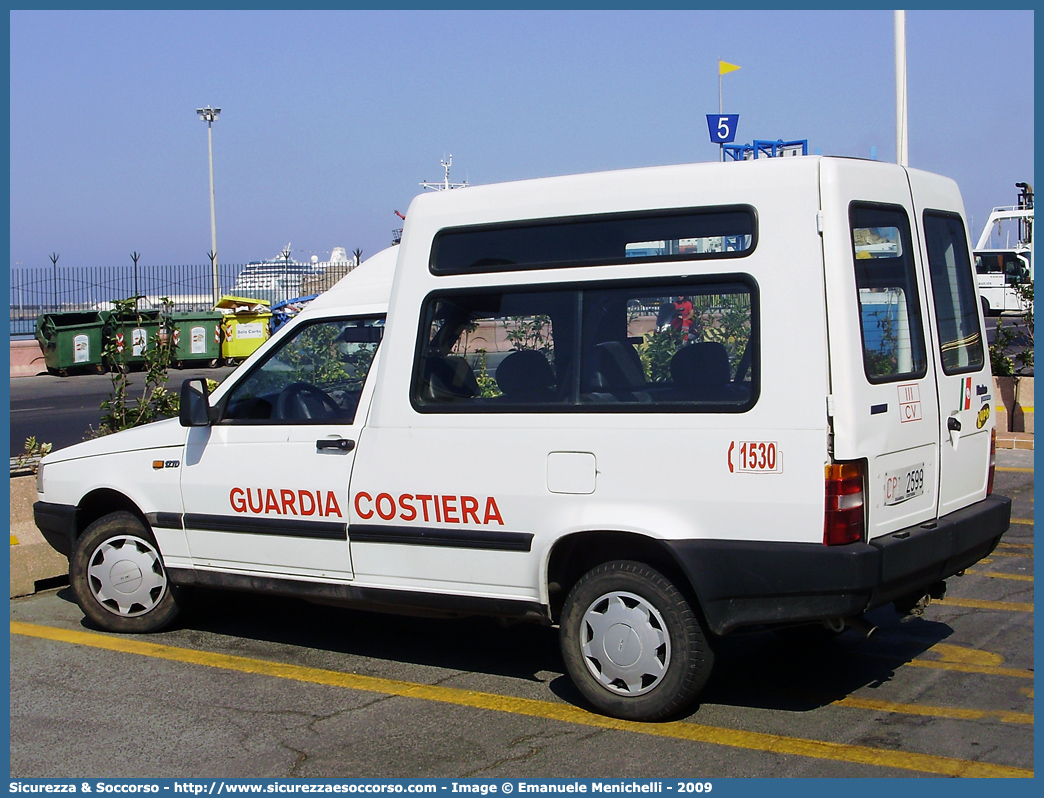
(883, 381)
(958, 348)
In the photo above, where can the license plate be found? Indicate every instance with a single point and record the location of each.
(904, 484)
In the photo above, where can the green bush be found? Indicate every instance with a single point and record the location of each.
(1004, 361)
(122, 411)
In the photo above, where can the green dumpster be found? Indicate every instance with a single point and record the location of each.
(131, 335)
(71, 341)
(197, 338)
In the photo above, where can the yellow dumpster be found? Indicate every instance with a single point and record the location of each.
(244, 325)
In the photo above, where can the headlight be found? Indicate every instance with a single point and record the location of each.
(39, 479)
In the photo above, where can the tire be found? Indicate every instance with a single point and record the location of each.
(118, 578)
(985, 306)
(629, 607)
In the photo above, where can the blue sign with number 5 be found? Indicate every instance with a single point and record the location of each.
(722, 127)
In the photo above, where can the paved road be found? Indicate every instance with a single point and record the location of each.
(250, 686)
(61, 410)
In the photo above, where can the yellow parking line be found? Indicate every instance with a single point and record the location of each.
(14, 540)
(1014, 545)
(962, 667)
(966, 655)
(1011, 606)
(680, 730)
(1017, 470)
(934, 712)
(1027, 521)
(996, 575)
(962, 660)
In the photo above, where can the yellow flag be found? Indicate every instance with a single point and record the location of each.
(724, 67)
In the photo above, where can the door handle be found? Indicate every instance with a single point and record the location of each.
(953, 424)
(340, 444)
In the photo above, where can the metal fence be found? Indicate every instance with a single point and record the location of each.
(190, 288)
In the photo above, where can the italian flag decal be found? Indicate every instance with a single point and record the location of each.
(964, 403)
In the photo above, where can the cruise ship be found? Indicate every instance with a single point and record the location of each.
(282, 277)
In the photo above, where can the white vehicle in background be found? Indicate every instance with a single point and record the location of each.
(1002, 267)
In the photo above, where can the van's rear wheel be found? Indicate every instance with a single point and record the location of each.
(118, 576)
(632, 643)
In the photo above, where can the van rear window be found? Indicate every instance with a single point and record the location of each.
(953, 292)
(889, 310)
(683, 234)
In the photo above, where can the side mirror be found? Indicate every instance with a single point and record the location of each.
(195, 404)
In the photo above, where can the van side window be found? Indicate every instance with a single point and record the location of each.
(683, 346)
(597, 240)
(953, 292)
(889, 310)
(315, 376)
(496, 350)
(666, 346)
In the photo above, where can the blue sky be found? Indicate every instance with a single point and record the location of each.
(331, 119)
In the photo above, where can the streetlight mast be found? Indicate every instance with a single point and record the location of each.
(208, 115)
(902, 131)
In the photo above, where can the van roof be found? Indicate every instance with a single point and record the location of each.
(367, 284)
(631, 189)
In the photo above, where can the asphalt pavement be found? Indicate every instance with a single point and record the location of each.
(254, 686)
(62, 410)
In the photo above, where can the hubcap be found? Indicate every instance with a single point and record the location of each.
(126, 576)
(625, 643)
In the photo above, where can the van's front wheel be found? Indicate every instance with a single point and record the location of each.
(632, 643)
(118, 577)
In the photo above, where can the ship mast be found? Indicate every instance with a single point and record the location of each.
(445, 185)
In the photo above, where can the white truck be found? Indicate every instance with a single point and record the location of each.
(1001, 272)
(651, 407)
(1003, 267)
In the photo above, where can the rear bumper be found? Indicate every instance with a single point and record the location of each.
(743, 583)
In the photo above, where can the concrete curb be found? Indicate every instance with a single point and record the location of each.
(27, 359)
(33, 561)
(1015, 440)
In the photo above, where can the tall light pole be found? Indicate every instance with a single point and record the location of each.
(209, 114)
(902, 132)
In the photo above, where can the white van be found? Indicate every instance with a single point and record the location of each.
(652, 407)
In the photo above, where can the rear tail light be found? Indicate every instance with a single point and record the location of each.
(843, 521)
(993, 461)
